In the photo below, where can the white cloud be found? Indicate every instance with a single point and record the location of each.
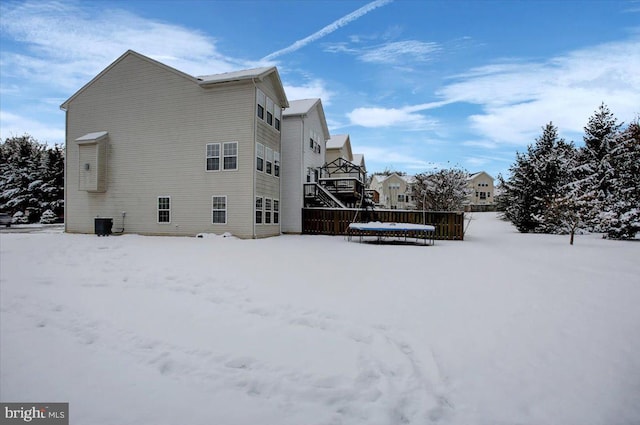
(518, 98)
(406, 117)
(328, 29)
(380, 157)
(310, 90)
(400, 51)
(389, 117)
(68, 45)
(15, 125)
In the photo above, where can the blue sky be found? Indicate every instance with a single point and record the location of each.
(416, 84)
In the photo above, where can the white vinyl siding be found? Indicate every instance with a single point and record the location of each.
(162, 152)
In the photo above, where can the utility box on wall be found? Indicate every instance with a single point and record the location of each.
(92, 161)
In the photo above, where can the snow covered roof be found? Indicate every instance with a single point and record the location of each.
(90, 137)
(245, 74)
(300, 107)
(474, 175)
(337, 141)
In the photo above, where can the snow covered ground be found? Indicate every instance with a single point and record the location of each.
(501, 329)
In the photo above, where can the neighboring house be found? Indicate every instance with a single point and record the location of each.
(481, 188)
(339, 146)
(394, 191)
(344, 173)
(304, 137)
(166, 153)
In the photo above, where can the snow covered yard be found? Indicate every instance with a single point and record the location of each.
(501, 329)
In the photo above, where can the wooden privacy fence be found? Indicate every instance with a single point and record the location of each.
(321, 221)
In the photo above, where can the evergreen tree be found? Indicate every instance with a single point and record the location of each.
(621, 218)
(536, 183)
(443, 190)
(518, 194)
(596, 165)
(31, 177)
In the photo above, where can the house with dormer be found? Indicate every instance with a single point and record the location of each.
(162, 152)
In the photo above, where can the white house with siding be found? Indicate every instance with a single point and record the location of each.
(395, 191)
(481, 189)
(304, 137)
(166, 153)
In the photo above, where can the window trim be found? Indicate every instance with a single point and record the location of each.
(260, 157)
(261, 104)
(207, 157)
(219, 209)
(259, 210)
(267, 210)
(269, 160)
(158, 209)
(275, 203)
(225, 156)
(270, 104)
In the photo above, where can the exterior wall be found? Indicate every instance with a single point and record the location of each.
(335, 153)
(481, 185)
(302, 161)
(268, 185)
(159, 123)
(292, 174)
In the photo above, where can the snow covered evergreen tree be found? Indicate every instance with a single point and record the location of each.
(537, 182)
(596, 168)
(443, 190)
(31, 177)
(517, 195)
(621, 218)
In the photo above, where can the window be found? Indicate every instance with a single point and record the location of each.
(276, 164)
(213, 156)
(219, 210)
(269, 160)
(260, 157)
(164, 209)
(230, 155)
(276, 211)
(261, 100)
(278, 113)
(267, 211)
(269, 111)
(311, 142)
(400, 198)
(258, 210)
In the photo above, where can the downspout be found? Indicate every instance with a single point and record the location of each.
(66, 156)
(253, 171)
(302, 175)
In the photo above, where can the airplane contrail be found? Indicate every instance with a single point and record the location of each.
(328, 29)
